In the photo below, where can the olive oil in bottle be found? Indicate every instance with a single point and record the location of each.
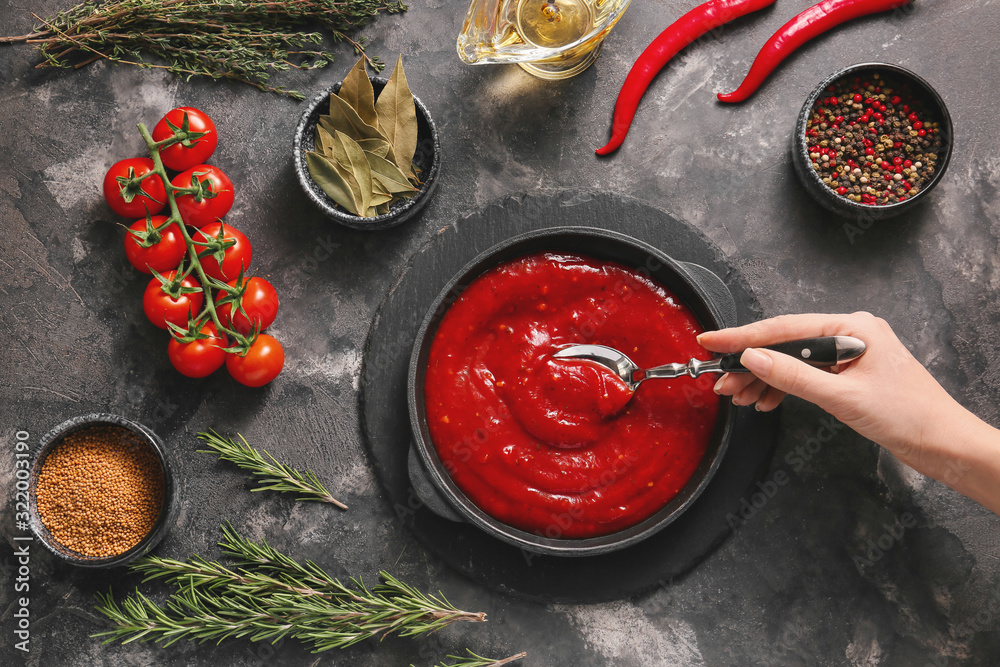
(550, 39)
(553, 23)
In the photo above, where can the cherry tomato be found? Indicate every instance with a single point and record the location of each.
(260, 301)
(235, 256)
(161, 308)
(126, 195)
(190, 152)
(163, 255)
(261, 364)
(213, 202)
(199, 357)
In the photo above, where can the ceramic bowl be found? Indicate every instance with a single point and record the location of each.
(168, 509)
(427, 159)
(840, 204)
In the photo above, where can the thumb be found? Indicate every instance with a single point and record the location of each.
(792, 376)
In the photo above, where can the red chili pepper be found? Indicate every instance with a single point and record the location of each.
(809, 24)
(679, 34)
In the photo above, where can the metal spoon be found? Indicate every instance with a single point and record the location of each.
(820, 352)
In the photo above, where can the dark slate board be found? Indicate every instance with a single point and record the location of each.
(385, 420)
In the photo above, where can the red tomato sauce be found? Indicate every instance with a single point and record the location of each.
(556, 447)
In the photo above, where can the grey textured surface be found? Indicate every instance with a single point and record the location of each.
(783, 590)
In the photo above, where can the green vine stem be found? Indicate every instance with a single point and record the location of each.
(242, 343)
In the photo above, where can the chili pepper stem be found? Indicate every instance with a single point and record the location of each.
(175, 217)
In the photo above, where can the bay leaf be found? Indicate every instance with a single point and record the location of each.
(397, 117)
(378, 190)
(326, 122)
(382, 209)
(343, 117)
(357, 91)
(378, 146)
(352, 160)
(329, 179)
(324, 141)
(388, 174)
(379, 199)
(391, 186)
(340, 159)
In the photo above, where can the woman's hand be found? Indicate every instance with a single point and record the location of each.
(886, 395)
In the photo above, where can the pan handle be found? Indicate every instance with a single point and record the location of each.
(720, 298)
(425, 490)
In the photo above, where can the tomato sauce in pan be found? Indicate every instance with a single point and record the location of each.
(561, 447)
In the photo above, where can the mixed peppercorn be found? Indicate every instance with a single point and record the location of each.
(873, 141)
(100, 491)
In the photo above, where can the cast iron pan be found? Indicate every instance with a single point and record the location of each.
(700, 289)
(655, 561)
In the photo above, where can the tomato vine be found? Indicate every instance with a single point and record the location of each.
(189, 283)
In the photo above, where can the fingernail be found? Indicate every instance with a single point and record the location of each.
(757, 362)
(756, 406)
(718, 385)
(698, 338)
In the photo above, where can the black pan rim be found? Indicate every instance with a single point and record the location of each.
(509, 249)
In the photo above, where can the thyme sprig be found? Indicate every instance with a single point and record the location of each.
(266, 596)
(272, 474)
(240, 40)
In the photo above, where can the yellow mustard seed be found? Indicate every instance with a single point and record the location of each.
(100, 491)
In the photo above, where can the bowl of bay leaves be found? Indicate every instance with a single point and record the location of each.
(367, 152)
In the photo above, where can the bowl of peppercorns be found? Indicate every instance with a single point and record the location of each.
(872, 141)
(101, 492)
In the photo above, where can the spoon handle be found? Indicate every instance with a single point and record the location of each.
(820, 352)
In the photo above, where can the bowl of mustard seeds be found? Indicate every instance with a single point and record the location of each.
(101, 491)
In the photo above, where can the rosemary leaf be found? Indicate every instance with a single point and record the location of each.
(272, 475)
(266, 596)
(473, 660)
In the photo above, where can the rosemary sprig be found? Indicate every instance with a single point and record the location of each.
(473, 660)
(266, 596)
(272, 474)
(240, 40)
